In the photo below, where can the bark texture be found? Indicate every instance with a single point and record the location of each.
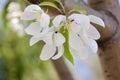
(109, 44)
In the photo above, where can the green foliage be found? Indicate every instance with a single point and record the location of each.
(67, 52)
(21, 62)
(4, 14)
(58, 1)
(51, 4)
(76, 8)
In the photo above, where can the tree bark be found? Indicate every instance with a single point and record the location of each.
(109, 45)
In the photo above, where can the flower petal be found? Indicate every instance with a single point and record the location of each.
(58, 39)
(58, 20)
(84, 54)
(48, 38)
(78, 47)
(44, 20)
(28, 16)
(96, 20)
(47, 52)
(59, 54)
(33, 29)
(31, 12)
(75, 42)
(75, 27)
(80, 19)
(93, 33)
(32, 8)
(34, 40)
(92, 44)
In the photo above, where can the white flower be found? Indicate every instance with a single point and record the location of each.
(53, 47)
(82, 34)
(36, 33)
(13, 17)
(54, 40)
(59, 21)
(53, 44)
(32, 12)
(39, 28)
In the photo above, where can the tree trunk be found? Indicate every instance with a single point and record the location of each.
(109, 45)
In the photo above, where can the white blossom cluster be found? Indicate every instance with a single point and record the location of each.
(14, 13)
(81, 34)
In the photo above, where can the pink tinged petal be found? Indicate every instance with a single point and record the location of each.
(96, 20)
(44, 20)
(48, 38)
(47, 52)
(59, 20)
(93, 45)
(59, 39)
(81, 20)
(93, 33)
(33, 29)
(34, 40)
(59, 54)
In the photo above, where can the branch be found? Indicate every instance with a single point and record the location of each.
(109, 47)
(98, 4)
(62, 69)
(34, 1)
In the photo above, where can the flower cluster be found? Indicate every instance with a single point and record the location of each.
(80, 33)
(13, 17)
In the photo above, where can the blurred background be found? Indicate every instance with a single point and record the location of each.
(19, 61)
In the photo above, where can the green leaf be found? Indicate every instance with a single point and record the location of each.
(58, 1)
(49, 4)
(76, 7)
(82, 11)
(79, 11)
(67, 52)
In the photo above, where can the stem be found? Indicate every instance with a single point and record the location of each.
(63, 9)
